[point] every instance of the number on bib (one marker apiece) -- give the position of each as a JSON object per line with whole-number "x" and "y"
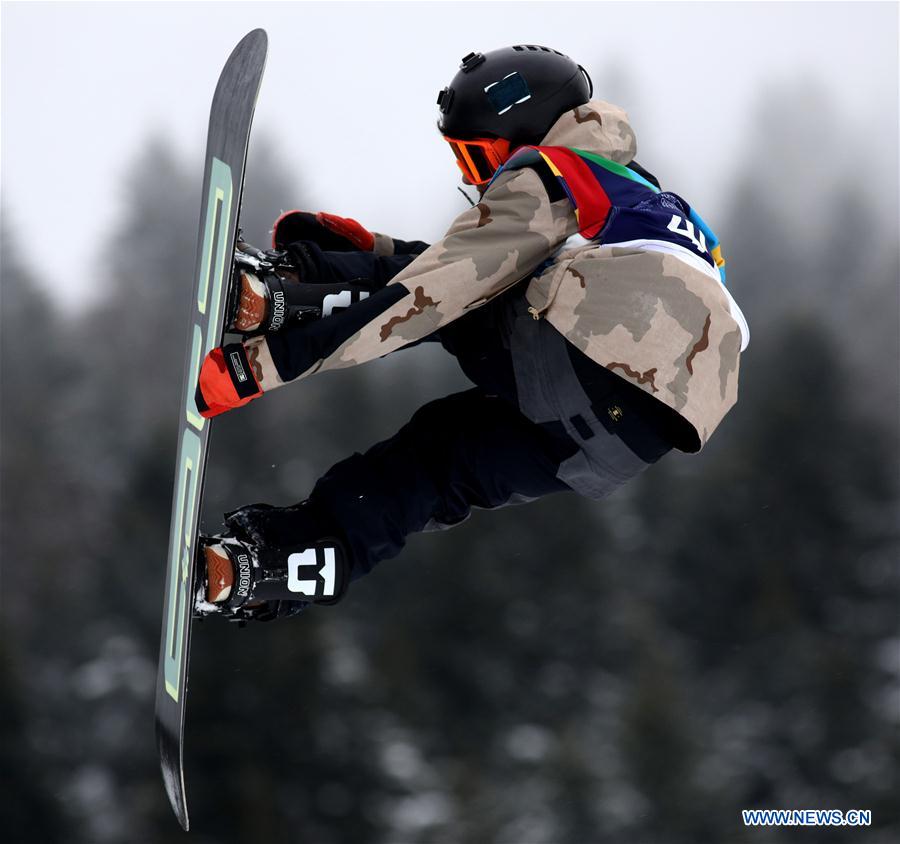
{"x": 688, "y": 231}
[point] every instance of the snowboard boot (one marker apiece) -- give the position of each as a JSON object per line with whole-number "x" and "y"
{"x": 244, "y": 580}
{"x": 268, "y": 293}
{"x": 256, "y": 303}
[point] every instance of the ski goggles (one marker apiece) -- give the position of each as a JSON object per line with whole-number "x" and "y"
{"x": 480, "y": 158}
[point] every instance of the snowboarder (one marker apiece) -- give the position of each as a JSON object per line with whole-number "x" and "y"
{"x": 586, "y": 305}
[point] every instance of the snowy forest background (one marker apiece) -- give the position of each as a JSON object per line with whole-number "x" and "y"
{"x": 721, "y": 635}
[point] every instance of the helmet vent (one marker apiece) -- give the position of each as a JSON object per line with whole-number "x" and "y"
{"x": 534, "y": 48}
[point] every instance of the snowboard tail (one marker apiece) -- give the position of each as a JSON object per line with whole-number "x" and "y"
{"x": 230, "y": 119}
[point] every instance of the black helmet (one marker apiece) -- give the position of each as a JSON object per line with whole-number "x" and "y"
{"x": 516, "y": 93}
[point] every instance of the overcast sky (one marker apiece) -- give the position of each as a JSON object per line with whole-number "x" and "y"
{"x": 349, "y": 85}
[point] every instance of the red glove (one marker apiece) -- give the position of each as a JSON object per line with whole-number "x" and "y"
{"x": 330, "y": 232}
{"x": 226, "y": 381}
{"x": 348, "y": 228}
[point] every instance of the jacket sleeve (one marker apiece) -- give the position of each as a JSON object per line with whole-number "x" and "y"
{"x": 502, "y": 240}
{"x": 387, "y": 245}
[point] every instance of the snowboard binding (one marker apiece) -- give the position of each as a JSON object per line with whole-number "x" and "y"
{"x": 271, "y": 290}
{"x": 243, "y": 581}
{"x": 264, "y": 292}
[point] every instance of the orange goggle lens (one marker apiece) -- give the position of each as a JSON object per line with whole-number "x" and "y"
{"x": 479, "y": 159}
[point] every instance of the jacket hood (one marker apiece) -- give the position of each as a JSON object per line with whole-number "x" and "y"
{"x": 598, "y": 127}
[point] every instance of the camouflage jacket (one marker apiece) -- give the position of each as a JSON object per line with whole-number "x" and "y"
{"x": 652, "y": 317}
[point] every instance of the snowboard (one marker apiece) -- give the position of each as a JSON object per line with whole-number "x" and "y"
{"x": 226, "y": 155}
